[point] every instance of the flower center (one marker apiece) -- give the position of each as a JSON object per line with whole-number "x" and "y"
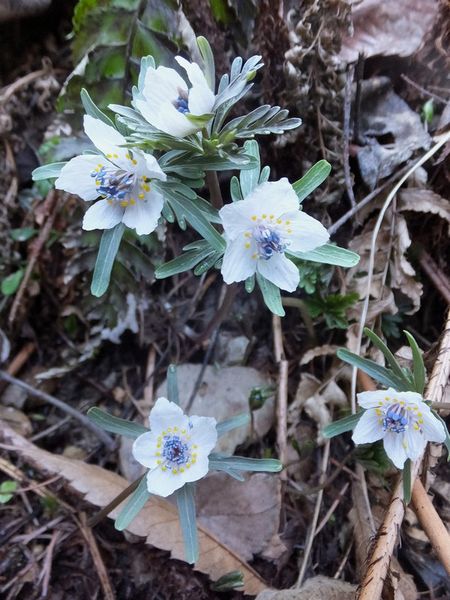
{"x": 268, "y": 241}
{"x": 181, "y": 104}
{"x": 396, "y": 419}
{"x": 175, "y": 452}
{"x": 113, "y": 183}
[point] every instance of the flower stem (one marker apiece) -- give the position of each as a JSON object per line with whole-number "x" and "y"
{"x": 215, "y": 194}
{"x": 104, "y": 512}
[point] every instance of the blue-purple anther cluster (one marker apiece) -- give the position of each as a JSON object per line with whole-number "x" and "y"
{"x": 175, "y": 451}
{"x": 396, "y": 419}
{"x": 268, "y": 241}
{"x": 181, "y": 104}
{"x": 114, "y": 184}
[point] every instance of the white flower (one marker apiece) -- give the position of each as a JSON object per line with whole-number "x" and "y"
{"x": 261, "y": 228}
{"x": 119, "y": 176}
{"x": 167, "y": 103}
{"x": 401, "y": 419}
{"x": 176, "y": 449}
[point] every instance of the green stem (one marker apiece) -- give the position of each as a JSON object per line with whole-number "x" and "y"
{"x": 215, "y": 195}
{"x": 104, "y": 512}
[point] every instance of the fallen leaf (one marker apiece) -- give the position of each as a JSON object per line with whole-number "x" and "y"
{"x": 388, "y": 28}
{"x": 16, "y": 419}
{"x": 222, "y": 394}
{"x": 157, "y": 522}
{"x": 316, "y": 588}
{"x": 247, "y": 517}
{"x": 390, "y": 130}
{"x": 425, "y": 201}
{"x": 325, "y": 350}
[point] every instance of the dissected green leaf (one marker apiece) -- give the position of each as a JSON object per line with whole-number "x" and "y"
{"x": 332, "y": 307}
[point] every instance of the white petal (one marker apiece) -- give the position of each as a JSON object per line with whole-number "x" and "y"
{"x": 103, "y": 136}
{"x": 195, "y": 74}
{"x": 197, "y": 470}
{"x": 281, "y": 271}
{"x": 144, "y": 449}
{"x": 274, "y": 197}
{"x": 75, "y": 176}
{"x": 167, "y": 414}
{"x": 236, "y": 219}
{"x": 415, "y": 443}
{"x": 164, "y": 483}
{"x": 204, "y": 433}
{"x": 307, "y": 233}
{"x": 153, "y": 170}
{"x": 433, "y": 429}
{"x": 368, "y": 429}
{"x": 163, "y": 85}
{"x": 394, "y": 448}
{"x": 144, "y": 215}
{"x": 412, "y": 398}
{"x": 102, "y": 215}
{"x": 201, "y": 100}
{"x": 238, "y": 263}
{"x": 167, "y": 118}
{"x": 376, "y": 398}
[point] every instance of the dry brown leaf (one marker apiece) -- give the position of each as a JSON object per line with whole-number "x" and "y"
{"x": 325, "y": 350}
{"x": 388, "y": 28}
{"x": 316, "y": 588}
{"x": 247, "y": 517}
{"x": 157, "y": 522}
{"x": 425, "y": 201}
{"x": 16, "y": 419}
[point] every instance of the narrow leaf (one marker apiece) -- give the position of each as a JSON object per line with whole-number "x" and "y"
{"x": 250, "y": 177}
{"x": 235, "y": 189}
{"x": 134, "y": 505}
{"x": 376, "y": 371}
{"x": 186, "y": 512}
{"x": 418, "y": 365}
{"x": 446, "y": 442}
{"x": 407, "y": 482}
{"x": 220, "y": 462}
{"x": 271, "y": 295}
{"x": 232, "y": 423}
{"x": 342, "y": 425}
{"x": 312, "y": 179}
{"x": 109, "y": 246}
{"x": 182, "y": 263}
{"x": 92, "y": 109}
{"x": 50, "y": 171}
{"x": 10, "y": 284}
{"x": 208, "y": 60}
{"x": 230, "y": 581}
{"x": 115, "y": 424}
{"x": 250, "y": 284}
{"x": 330, "y": 255}
{"x": 378, "y": 342}
{"x": 172, "y": 385}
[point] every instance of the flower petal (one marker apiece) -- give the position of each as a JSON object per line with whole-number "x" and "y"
{"x": 414, "y": 443}
{"x": 238, "y": 263}
{"x": 166, "y": 117}
{"x": 236, "y": 218}
{"x": 152, "y": 168}
{"x": 433, "y": 429}
{"x": 394, "y": 448}
{"x": 368, "y": 429}
{"x": 195, "y": 74}
{"x": 144, "y": 450}
{"x": 103, "y": 136}
{"x": 204, "y": 433}
{"x": 197, "y": 470}
{"x": 144, "y": 215}
{"x": 167, "y": 414}
{"x": 307, "y": 233}
{"x": 277, "y": 197}
{"x": 163, "y": 85}
{"x": 376, "y": 398}
{"x": 281, "y": 271}
{"x": 102, "y": 215}
{"x": 75, "y": 176}
{"x": 164, "y": 483}
{"x": 201, "y": 100}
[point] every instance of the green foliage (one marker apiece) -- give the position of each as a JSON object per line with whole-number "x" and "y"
{"x": 115, "y": 424}
{"x": 107, "y": 251}
{"x": 332, "y": 307}
{"x": 271, "y": 295}
{"x": 109, "y": 37}
{"x": 10, "y": 284}
{"x": 230, "y": 581}
{"x": 133, "y": 506}
{"x": 23, "y": 234}
{"x": 342, "y": 425}
{"x": 185, "y": 498}
{"x": 7, "y": 489}
{"x": 331, "y": 255}
{"x": 313, "y": 276}
{"x": 373, "y": 457}
{"x": 312, "y": 179}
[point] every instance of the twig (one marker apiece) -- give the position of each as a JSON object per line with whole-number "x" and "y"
{"x": 97, "y": 558}
{"x": 346, "y": 135}
{"x": 422, "y": 90}
{"x": 438, "y": 278}
{"x": 380, "y": 555}
{"x": 205, "y": 362}
{"x": 149, "y": 370}
{"x": 332, "y": 508}
{"x": 11, "y": 166}
{"x": 18, "y": 361}
{"x": 48, "y": 561}
{"x": 442, "y": 140}
{"x": 309, "y": 543}
{"x": 365, "y": 201}
{"x": 282, "y": 394}
{"x": 221, "y": 314}
{"x": 344, "y": 560}
{"x": 215, "y": 195}
{"x": 104, "y": 512}
{"x": 104, "y": 437}
{"x": 11, "y": 89}
{"x": 36, "y": 247}
{"x": 432, "y": 524}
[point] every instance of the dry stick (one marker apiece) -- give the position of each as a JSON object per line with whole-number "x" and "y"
{"x": 97, "y": 558}
{"x": 438, "y": 278}
{"x": 380, "y": 555}
{"x": 332, "y": 508}
{"x": 346, "y": 133}
{"x": 282, "y": 394}
{"x": 18, "y": 361}
{"x": 36, "y": 248}
{"x": 221, "y": 314}
{"x": 104, "y": 437}
{"x": 310, "y": 541}
{"x": 48, "y": 561}
{"x": 442, "y": 140}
